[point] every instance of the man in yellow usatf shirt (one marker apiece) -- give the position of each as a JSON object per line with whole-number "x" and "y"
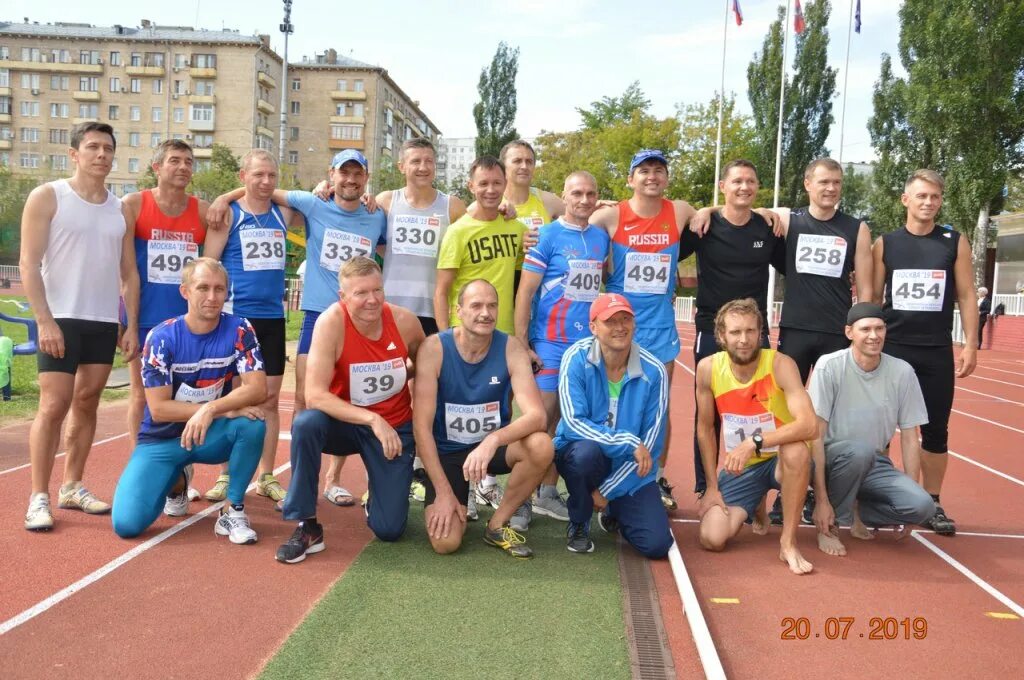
{"x": 482, "y": 244}
{"x": 766, "y": 419}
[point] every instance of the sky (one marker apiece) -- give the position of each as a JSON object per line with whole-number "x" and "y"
{"x": 572, "y": 52}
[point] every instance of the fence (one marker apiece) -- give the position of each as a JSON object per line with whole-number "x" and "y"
{"x": 10, "y": 272}
{"x": 1014, "y": 303}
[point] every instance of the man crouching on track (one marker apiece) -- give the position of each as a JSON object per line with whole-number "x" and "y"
{"x": 463, "y": 422}
{"x": 767, "y": 419}
{"x": 192, "y": 414}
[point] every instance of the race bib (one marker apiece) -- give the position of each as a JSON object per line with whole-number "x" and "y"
{"x": 531, "y": 221}
{"x": 376, "y": 381}
{"x": 165, "y": 260}
{"x": 736, "y": 428}
{"x": 918, "y": 290}
{"x": 584, "y": 281}
{"x": 821, "y": 255}
{"x": 199, "y": 395}
{"x": 416, "y": 235}
{"x": 262, "y": 249}
{"x": 340, "y": 247}
{"x": 470, "y": 423}
{"x": 648, "y": 273}
{"x": 613, "y": 411}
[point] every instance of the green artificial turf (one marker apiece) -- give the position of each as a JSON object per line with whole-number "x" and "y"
{"x": 400, "y": 611}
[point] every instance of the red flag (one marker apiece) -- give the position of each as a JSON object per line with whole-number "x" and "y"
{"x": 738, "y": 12}
{"x": 798, "y": 19}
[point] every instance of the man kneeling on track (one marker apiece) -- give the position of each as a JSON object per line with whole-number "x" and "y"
{"x": 767, "y": 420}
{"x": 192, "y": 414}
{"x": 861, "y": 396}
{"x": 462, "y": 419}
{"x": 614, "y": 401}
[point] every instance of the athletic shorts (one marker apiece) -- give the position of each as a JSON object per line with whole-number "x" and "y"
{"x": 452, "y": 464}
{"x": 746, "y": 489}
{"x": 936, "y": 374}
{"x": 806, "y": 347}
{"x": 85, "y": 342}
{"x": 661, "y": 342}
{"x": 428, "y": 324}
{"x": 551, "y": 354}
{"x": 306, "y": 332}
{"x": 270, "y": 334}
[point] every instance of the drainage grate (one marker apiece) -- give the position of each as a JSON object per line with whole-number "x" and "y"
{"x": 649, "y": 654}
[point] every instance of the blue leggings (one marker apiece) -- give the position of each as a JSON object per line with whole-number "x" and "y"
{"x": 155, "y": 467}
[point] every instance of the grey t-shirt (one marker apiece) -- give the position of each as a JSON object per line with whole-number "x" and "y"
{"x": 862, "y": 405}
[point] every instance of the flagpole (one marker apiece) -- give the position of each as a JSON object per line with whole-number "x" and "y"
{"x": 778, "y": 152}
{"x": 721, "y": 106}
{"x": 846, "y": 79}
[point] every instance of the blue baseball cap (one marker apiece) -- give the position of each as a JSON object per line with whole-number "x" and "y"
{"x": 347, "y": 155}
{"x": 644, "y": 155}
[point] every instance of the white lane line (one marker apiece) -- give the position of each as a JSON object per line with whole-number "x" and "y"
{"x": 974, "y": 578}
{"x": 991, "y": 396}
{"x": 986, "y": 468}
{"x": 64, "y": 453}
{"x": 709, "y": 659}
{"x": 1001, "y": 382}
{"x": 1002, "y": 370}
{"x": 119, "y": 561}
{"x": 986, "y": 420}
{"x": 973, "y": 534}
{"x": 688, "y": 369}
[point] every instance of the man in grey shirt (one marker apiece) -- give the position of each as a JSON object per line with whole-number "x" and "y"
{"x": 861, "y": 396}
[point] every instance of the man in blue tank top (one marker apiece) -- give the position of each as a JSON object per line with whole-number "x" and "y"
{"x": 462, "y": 419}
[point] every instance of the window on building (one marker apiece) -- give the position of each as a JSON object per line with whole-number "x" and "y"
{"x": 30, "y": 160}
{"x": 342, "y": 85}
{"x": 30, "y": 109}
{"x": 60, "y": 82}
{"x": 115, "y": 84}
{"x": 202, "y": 87}
{"x": 204, "y": 61}
{"x": 5, "y": 78}
{"x": 133, "y": 165}
{"x": 296, "y": 84}
{"x": 29, "y": 134}
{"x": 154, "y": 59}
{"x": 389, "y": 117}
{"x": 59, "y": 110}
{"x": 135, "y": 113}
{"x": 31, "y": 54}
{"x": 357, "y": 85}
{"x": 133, "y": 139}
{"x": 154, "y": 139}
{"x": 158, "y": 85}
{"x": 201, "y": 112}
{"x": 130, "y": 188}
{"x": 389, "y": 140}
{"x": 7, "y": 134}
{"x": 202, "y": 141}
{"x": 58, "y": 162}
{"x": 5, "y": 52}
{"x": 113, "y": 111}
{"x": 179, "y": 114}
{"x": 115, "y": 58}
{"x": 293, "y": 133}
{"x": 5, "y": 105}
{"x": 30, "y": 81}
{"x": 89, "y": 57}
{"x": 180, "y": 60}
{"x": 136, "y": 59}
{"x": 5, "y": 157}
{"x": 295, "y": 108}
{"x": 350, "y": 132}
{"x": 58, "y": 136}
{"x": 339, "y": 109}
{"x": 358, "y": 108}
{"x": 135, "y": 85}
{"x": 293, "y": 157}
{"x": 158, "y": 114}
{"x": 264, "y": 142}
{"x": 88, "y": 110}
{"x": 89, "y": 84}
{"x": 178, "y": 87}
{"x": 60, "y": 56}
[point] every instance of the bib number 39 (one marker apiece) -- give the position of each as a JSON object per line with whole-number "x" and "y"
{"x": 373, "y": 382}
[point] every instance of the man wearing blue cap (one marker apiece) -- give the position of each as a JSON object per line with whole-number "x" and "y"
{"x": 645, "y": 231}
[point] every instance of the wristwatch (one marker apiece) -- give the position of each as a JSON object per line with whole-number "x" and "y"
{"x": 758, "y": 443}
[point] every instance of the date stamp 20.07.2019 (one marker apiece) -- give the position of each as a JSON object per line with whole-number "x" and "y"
{"x": 850, "y": 628}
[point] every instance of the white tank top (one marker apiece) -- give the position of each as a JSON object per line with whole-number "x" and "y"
{"x": 82, "y": 264}
{"x": 410, "y": 257}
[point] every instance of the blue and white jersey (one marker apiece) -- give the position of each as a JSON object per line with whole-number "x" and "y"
{"x": 197, "y": 368}
{"x": 254, "y": 256}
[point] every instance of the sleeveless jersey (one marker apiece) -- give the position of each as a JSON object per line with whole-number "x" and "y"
{"x": 410, "y": 258}
{"x": 254, "y": 257}
{"x": 749, "y": 408}
{"x": 81, "y": 267}
{"x": 473, "y": 400}
{"x": 163, "y": 245}
{"x": 819, "y": 259}
{"x": 645, "y": 251}
{"x": 571, "y": 261}
{"x": 197, "y": 368}
{"x": 919, "y": 286}
{"x": 372, "y": 373}
{"x": 532, "y": 213}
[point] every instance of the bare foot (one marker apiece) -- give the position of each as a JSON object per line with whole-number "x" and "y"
{"x": 858, "y": 530}
{"x": 830, "y": 544}
{"x": 759, "y": 524}
{"x": 797, "y": 564}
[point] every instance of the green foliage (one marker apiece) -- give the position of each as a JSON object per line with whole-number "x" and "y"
{"x": 495, "y": 113}
{"x": 610, "y": 110}
{"x": 148, "y": 179}
{"x": 219, "y": 178}
{"x": 14, "y": 191}
{"x": 387, "y": 177}
{"x": 458, "y": 186}
{"x": 856, "y": 194}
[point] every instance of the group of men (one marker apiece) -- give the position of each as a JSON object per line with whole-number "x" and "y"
{"x": 574, "y": 321}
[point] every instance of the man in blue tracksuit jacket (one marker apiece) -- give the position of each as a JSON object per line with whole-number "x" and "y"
{"x": 614, "y": 401}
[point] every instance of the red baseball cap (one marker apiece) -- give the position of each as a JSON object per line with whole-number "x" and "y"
{"x": 608, "y": 304}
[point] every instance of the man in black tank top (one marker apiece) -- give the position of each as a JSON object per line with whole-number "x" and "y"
{"x": 918, "y": 271}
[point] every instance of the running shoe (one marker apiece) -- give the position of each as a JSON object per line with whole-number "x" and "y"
{"x": 306, "y": 540}
{"x": 807, "y": 516}
{"x": 267, "y": 485}
{"x": 417, "y": 492}
{"x": 775, "y": 516}
{"x": 38, "y": 517}
{"x": 666, "y": 494}
{"x": 552, "y": 506}
{"x": 79, "y": 498}
{"x": 489, "y": 495}
{"x": 579, "y": 538}
{"x": 235, "y": 525}
{"x": 940, "y": 524}
{"x": 219, "y": 491}
{"x": 608, "y": 524}
{"x": 176, "y": 504}
{"x": 509, "y": 540}
{"x": 472, "y": 514}
{"x": 520, "y": 520}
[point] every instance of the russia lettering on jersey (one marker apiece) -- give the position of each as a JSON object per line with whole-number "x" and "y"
{"x": 197, "y": 368}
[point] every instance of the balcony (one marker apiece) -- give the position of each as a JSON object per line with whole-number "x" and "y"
{"x": 265, "y": 106}
{"x": 345, "y": 144}
{"x": 201, "y": 125}
{"x": 203, "y": 72}
{"x": 266, "y": 80}
{"x": 266, "y": 132}
{"x": 54, "y": 67}
{"x": 359, "y": 120}
{"x": 5, "y": 118}
{"x": 202, "y": 99}
{"x": 83, "y": 96}
{"x": 6, "y": 144}
{"x": 202, "y": 153}
{"x": 347, "y": 95}
{"x": 6, "y": 92}
{"x": 145, "y": 71}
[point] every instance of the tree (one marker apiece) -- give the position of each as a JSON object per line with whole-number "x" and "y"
{"x": 14, "y": 191}
{"x": 220, "y": 177}
{"x": 807, "y": 117}
{"x": 148, "y": 179}
{"x": 856, "y": 194}
{"x": 387, "y": 177}
{"x": 959, "y": 111}
{"x": 495, "y": 113}
{"x": 609, "y": 110}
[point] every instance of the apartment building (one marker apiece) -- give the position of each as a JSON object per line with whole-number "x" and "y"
{"x": 158, "y": 82}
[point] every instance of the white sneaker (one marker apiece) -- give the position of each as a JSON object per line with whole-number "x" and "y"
{"x": 235, "y": 525}
{"x": 471, "y": 512}
{"x": 176, "y": 505}
{"x": 38, "y": 517}
{"x": 79, "y": 498}
{"x": 489, "y": 494}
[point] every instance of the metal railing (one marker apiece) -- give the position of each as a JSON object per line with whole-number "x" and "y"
{"x": 1014, "y": 303}
{"x": 10, "y": 272}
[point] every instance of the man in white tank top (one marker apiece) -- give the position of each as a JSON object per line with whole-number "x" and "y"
{"x": 76, "y": 255}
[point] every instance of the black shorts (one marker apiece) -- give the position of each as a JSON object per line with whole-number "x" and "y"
{"x": 428, "y": 324}
{"x": 936, "y": 374}
{"x": 270, "y": 334}
{"x": 85, "y": 342}
{"x": 452, "y": 464}
{"x": 806, "y": 347}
